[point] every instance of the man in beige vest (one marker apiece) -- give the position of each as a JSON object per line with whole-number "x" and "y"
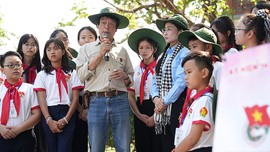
{"x": 106, "y": 69}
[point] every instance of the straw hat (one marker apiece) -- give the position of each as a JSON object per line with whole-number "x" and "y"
{"x": 205, "y": 35}
{"x": 135, "y": 36}
{"x": 122, "y": 20}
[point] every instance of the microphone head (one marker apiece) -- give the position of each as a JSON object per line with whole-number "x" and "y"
{"x": 105, "y": 34}
{"x": 106, "y": 56}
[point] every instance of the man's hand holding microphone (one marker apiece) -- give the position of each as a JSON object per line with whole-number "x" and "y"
{"x": 105, "y": 45}
{"x": 105, "y": 48}
{"x": 104, "y": 51}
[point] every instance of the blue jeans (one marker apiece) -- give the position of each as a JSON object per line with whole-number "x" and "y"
{"x": 112, "y": 111}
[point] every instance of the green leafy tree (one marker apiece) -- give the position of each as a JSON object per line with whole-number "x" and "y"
{"x": 80, "y": 12}
{"x": 147, "y": 11}
{"x": 150, "y": 10}
{"x": 3, "y": 32}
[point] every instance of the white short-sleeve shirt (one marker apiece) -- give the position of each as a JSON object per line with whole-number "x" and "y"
{"x": 28, "y": 100}
{"x": 137, "y": 82}
{"x": 231, "y": 51}
{"x": 47, "y": 82}
{"x": 216, "y": 74}
{"x": 200, "y": 112}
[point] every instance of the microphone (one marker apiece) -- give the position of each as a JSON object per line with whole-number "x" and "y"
{"x": 106, "y": 56}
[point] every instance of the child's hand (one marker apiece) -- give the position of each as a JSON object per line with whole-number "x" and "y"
{"x": 150, "y": 121}
{"x": 6, "y": 133}
{"x": 54, "y": 126}
{"x": 173, "y": 150}
{"x": 15, "y": 129}
{"x": 143, "y": 117}
{"x": 61, "y": 123}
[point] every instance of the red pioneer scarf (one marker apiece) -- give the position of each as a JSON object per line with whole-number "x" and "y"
{"x": 12, "y": 93}
{"x": 31, "y": 73}
{"x": 61, "y": 77}
{"x": 189, "y": 101}
{"x": 147, "y": 68}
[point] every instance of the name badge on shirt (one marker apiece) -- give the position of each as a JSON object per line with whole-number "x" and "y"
{"x": 177, "y": 137}
{"x": 12, "y": 110}
{"x": 146, "y": 94}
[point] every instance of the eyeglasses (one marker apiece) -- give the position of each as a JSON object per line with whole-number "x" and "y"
{"x": 239, "y": 29}
{"x": 13, "y": 66}
{"x": 166, "y": 29}
{"x": 110, "y": 24}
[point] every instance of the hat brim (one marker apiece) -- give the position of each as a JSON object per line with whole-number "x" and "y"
{"x": 123, "y": 21}
{"x": 185, "y": 36}
{"x": 146, "y": 33}
{"x": 161, "y": 23}
{"x": 217, "y": 50}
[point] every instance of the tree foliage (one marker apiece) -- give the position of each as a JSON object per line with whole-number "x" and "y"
{"x": 80, "y": 11}
{"x": 5, "y": 35}
{"x": 150, "y": 10}
{"x": 3, "y": 32}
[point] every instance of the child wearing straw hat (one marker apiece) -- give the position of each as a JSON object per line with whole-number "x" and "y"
{"x": 204, "y": 40}
{"x": 148, "y": 44}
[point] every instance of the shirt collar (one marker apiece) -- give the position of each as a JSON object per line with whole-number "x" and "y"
{"x": 171, "y": 49}
{"x": 98, "y": 42}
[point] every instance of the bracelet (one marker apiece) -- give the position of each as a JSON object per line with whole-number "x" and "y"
{"x": 48, "y": 119}
{"x": 65, "y": 120}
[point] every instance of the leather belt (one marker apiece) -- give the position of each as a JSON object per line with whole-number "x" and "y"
{"x": 107, "y": 94}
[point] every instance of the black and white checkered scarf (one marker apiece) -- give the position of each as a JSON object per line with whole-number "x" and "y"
{"x": 164, "y": 83}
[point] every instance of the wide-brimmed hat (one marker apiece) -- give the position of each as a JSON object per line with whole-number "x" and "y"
{"x": 177, "y": 19}
{"x": 110, "y": 12}
{"x": 205, "y": 35}
{"x": 135, "y": 36}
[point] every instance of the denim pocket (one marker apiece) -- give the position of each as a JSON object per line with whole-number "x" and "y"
{"x": 92, "y": 99}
